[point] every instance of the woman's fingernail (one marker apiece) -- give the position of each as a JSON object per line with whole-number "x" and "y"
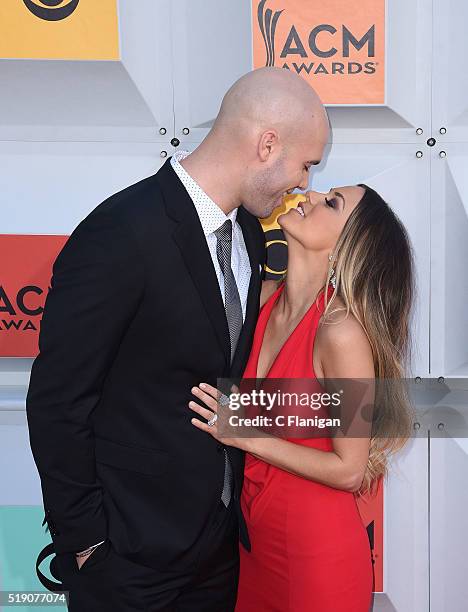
{"x": 203, "y": 385}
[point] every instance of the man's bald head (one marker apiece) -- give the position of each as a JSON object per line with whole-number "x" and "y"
{"x": 271, "y": 98}
{"x": 271, "y": 128}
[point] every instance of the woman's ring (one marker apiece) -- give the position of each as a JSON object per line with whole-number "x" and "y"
{"x": 213, "y": 420}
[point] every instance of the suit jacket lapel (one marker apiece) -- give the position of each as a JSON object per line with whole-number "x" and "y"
{"x": 191, "y": 241}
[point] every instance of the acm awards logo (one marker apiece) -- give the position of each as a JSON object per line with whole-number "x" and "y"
{"x": 25, "y": 281}
{"x": 309, "y": 48}
{"x": 24, "y": 305}
{"x": 49, "y": 10}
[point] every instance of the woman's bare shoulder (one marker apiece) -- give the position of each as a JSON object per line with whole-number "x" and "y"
{"x": 342, "y": 346}
{"x": 339, "y": 327}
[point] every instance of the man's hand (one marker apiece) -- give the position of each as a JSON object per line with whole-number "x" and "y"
{"x": 81, "y": 560}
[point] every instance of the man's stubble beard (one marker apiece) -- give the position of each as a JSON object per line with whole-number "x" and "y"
{"x": 267, "y": 202}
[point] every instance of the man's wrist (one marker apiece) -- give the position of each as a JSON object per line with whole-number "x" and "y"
{"x": 87, "y": 551}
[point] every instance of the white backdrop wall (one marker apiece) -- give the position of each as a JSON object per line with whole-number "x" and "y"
{"x": 96, "y": 127}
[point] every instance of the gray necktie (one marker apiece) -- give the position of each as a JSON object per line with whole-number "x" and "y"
{"x": 232, "y": 303}
{"x": 233, "y": 308}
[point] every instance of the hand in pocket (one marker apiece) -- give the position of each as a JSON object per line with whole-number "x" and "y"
{"x": 94, "y": 556}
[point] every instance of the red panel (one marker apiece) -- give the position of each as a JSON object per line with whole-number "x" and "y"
{"x": 26, "y": 270}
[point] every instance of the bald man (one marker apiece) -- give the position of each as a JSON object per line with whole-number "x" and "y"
{"x": 157, "y": 290}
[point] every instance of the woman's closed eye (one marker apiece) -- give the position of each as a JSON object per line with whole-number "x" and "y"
{"x": 331, "y": 203}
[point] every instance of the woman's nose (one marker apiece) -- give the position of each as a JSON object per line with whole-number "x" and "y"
{"x": 313, "y": 196}
{"x": 316, "y": 197}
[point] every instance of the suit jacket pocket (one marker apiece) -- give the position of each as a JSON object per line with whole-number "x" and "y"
{"x": 134, "y": 458}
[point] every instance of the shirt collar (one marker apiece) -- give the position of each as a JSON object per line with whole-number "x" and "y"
{"x": 210, "y": 214}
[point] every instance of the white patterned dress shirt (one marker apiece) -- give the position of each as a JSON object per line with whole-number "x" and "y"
{"x": 212, "y": 218}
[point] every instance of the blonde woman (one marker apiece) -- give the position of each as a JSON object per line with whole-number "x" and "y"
{"x": 342, "y": 312}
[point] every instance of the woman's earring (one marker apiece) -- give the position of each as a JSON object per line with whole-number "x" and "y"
{"x": 332, "y": 273}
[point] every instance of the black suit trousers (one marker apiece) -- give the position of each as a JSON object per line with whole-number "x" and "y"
{"x": 109, "y": 582}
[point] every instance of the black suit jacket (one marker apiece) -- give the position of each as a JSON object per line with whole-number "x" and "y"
{"x": 133, "y": 320}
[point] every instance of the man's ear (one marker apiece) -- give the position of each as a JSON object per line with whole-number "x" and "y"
{"x": 267, "y": 144}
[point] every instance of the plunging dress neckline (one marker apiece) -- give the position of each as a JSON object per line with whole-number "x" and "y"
{"x": 262, "y": 323}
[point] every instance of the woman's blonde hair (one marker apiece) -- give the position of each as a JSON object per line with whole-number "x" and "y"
{"x": 374, "y": 279}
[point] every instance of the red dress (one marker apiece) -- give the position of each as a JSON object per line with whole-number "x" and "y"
{"x": 310, "y": 549}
